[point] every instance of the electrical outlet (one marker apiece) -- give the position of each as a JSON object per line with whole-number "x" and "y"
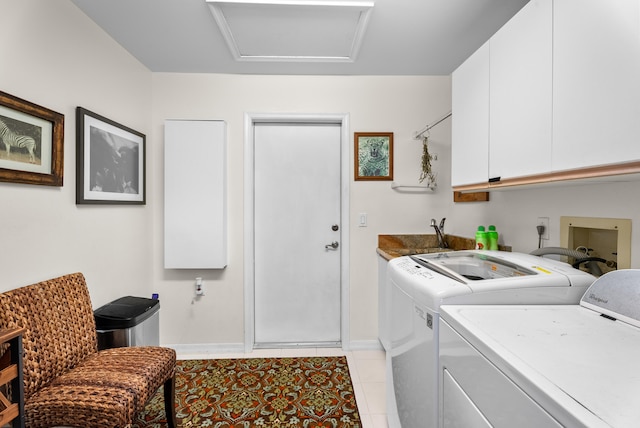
{"x": 544, "y": 221}
{"x": 199, "y": 287}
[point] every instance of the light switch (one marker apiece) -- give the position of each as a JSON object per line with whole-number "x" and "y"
{"x": 362, "y": 222}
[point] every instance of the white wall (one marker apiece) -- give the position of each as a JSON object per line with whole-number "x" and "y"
{"x": 401, "y": 105}
{"x": 65, "y": 60}
{"x": 515, "y": 212}
{"x": 53, "y": 56}
{"x": 398, "y": 104}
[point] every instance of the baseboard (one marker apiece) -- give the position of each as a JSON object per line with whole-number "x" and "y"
{"x": 207, "y": 348}
{"x": 238, "y": 348}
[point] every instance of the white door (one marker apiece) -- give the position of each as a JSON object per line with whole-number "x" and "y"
{"x": 297, "y": 234}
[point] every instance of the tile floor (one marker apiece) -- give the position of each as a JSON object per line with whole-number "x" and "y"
{"x": 367, "y": 369}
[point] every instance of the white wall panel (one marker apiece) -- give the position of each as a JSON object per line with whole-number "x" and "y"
{"x": 195, "y": 194}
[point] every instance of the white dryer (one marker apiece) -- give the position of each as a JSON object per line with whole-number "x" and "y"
{"x": 545, "y": 366}
{"x": 421, "y": 284}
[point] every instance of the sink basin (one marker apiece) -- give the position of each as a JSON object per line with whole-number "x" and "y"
{"x": 392, "y": 253}
{"x": 413, "y": 251}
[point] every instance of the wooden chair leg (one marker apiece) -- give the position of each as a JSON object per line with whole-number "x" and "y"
{"x": 170, "y": 402}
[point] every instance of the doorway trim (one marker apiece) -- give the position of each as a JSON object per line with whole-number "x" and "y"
{"x": 249, "y": 251}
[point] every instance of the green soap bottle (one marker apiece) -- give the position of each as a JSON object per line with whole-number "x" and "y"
{"x": 492, "y": 238}
{"x": 481, "y": 239}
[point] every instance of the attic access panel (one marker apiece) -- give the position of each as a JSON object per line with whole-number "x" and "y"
{"x": 292, "y": 30}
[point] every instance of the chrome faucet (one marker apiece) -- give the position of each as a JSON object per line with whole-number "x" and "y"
{"x": 442, "y": 243}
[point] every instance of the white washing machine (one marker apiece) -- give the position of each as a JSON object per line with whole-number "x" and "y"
{"x": 421, "y": 284}
{"x": 545, "y": 366}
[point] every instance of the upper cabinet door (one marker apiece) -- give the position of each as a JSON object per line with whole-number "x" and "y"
{"x": 596, "y": 81}
{"x": 521, "y": 93}
{"x": 470, "y": 120}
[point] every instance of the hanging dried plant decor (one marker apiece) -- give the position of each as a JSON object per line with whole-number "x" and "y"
{"x": 427, "y": 172}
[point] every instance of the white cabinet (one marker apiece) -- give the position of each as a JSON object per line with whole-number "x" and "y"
{"x": 470, "y": 120}
{"x": 195, "y": 194}
{"x": 563, "y": 96}
{"x": 596, "y": 82}
{"x": 502, "y": 102}
{"x": 520, "y": 93}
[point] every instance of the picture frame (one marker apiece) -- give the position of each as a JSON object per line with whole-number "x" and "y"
{"x": 110, "y": 161}
{"x": 373, "y": 156}
{"x": 31, "y": 143}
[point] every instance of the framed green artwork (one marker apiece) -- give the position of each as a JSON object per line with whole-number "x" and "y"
{"x": 373, "y": 155}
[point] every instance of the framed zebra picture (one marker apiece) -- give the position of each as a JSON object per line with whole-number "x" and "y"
{"x": 373, "y": 155}
{"x": 110, "y": 161}
{"x": 31, "y": 142}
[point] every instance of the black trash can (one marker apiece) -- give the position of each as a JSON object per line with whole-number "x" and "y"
{"x": 128, "y": 321}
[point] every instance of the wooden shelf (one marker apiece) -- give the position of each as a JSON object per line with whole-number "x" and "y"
{"x": 471, "y": 197}
{"x": 11, "y": 407}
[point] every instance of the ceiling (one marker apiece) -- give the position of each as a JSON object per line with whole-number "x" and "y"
{"x": 396, "y": 37}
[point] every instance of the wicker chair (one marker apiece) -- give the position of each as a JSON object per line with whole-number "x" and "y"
{"x": 67, "y": 381}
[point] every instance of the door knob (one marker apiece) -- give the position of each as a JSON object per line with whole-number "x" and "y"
{"x": 333, "y": 246}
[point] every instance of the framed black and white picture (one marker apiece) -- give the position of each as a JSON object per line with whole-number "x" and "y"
{"x": 31, "y": 142}
{"x": 110, "y": 161}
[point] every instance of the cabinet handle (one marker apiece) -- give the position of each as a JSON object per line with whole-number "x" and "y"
{"x": 494, "y": 179}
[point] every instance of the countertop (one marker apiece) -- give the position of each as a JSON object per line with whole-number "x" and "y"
{"x": 392, "y": 246}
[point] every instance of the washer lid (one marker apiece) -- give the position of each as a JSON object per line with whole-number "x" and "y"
{"x": 470, "y": 265}
{"x": 616, "y": 294}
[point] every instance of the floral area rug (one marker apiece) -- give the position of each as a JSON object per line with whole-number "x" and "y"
{"x": 259, "y": 392}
